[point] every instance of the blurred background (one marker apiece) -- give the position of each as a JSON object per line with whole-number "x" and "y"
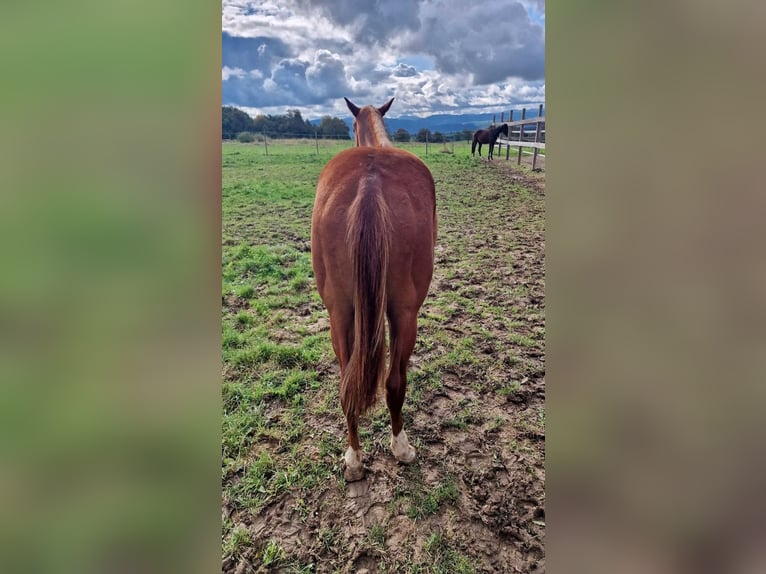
{"x": 110, "y": 287}
{"x": 655, "y": 286}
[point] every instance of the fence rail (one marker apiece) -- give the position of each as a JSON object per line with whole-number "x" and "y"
{"x": 535, "y": 140}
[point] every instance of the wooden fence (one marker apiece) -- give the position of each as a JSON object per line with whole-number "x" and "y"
{"x": 520, "y": 137}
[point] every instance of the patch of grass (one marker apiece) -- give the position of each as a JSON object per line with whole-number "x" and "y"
{"x": 330, "y": 445}
{"x": 245, "y": 318}
{"x": 302, "y": 508}
{"x": 237, "y": 541}
{"x": 521, "y": 340}
{"x": 238, "y": 429}
{"x": 286, "y": 356}
{"x": 463, "y": 418}
{"x": 246, "y": 291}
{"x": 273, "y": 554}
{"x": 231, "y": 338}
{"x": 510, "y": 389}
{"x": 329, "y": 538}
{"x": 376, "y": 536}
{"x": 427, "y": 502}
{"x": 444, "y": 559}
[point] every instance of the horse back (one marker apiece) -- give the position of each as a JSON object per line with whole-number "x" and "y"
{"x": 403, "y": 180}
{"x": 404, "y": 185}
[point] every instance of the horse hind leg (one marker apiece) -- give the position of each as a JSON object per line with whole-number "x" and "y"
{"x": 341, "y": 333}
{"x": 403, "y": 333}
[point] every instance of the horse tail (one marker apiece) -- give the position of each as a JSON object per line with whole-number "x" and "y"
{"x": 473, "y": 144}
{"x": 367, "y": 236}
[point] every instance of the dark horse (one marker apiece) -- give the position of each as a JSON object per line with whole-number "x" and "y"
{"x": 373, "y": 232}
{"x": 488, "y": 136}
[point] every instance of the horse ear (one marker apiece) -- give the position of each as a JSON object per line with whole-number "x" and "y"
{"x": 354, "y": 109}
{"x": 384, "y": 108}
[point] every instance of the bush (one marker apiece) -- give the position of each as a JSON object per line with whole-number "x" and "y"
{"x": 246, "y": 137}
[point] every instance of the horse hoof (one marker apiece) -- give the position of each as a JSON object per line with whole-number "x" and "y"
{"x": 408, "y": 457}
{"x": 353, "y": 474}
{"x": 403, "y": 451}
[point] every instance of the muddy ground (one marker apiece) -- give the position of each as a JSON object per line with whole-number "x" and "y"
{"x": 474, "y": 501}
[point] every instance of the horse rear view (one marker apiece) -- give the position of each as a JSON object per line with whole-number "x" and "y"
{"x": 373, "y": 231}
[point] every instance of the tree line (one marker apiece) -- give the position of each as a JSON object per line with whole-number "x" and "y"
{"x": 426, "y": 135}
{"x": 236, "y": 124}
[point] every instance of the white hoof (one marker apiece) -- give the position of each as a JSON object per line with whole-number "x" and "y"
{"x": 401, "y": 448}
{"x": 354, "y": 469}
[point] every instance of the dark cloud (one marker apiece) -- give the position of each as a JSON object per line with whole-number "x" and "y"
{"x": 404, "y": 71}
{"x": 258, "y": 53}
{"x": 373, "y": 21}
{"x": 493, "y": 42}
{"x": 326, "y": 76}
{"x": 292, "y": 81}
{"x": 290, "y": 75}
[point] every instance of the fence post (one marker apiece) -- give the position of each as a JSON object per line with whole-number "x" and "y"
{"x": 426, "y": 143}
{"x": 265, "y": 144}
{"x": 316, "y": 141}
{"x": 510, "y": 133}
{"x": 537, "y": 136}
{"x": 521, "y": 133}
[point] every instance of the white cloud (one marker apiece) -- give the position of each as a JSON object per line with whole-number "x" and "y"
{"x": 433, "y": 56}
{"x": 227, "y": 72}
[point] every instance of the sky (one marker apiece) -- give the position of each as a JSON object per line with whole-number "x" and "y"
{"x": 433, "y": 56}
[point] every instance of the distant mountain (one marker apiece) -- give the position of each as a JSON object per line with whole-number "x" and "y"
{"x": 445, "y": 123}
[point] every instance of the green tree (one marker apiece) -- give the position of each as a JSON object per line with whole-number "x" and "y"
{"x": 401, "y": 135}
{"x": 293, "y": 125}
{"x": 333, "y": 128}
{"x": 265, "y": 124}
{"x": 234, "y": 121}
{"x": 424, "y": 135}
{"x": 437, "y": 137}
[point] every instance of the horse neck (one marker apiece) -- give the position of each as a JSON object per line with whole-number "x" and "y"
{"x": 370, "y": 130}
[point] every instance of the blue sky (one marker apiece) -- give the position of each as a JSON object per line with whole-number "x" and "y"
{"x": 434, "y": 56}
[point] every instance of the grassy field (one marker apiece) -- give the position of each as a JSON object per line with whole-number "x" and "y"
{"x": 474, "y": 501}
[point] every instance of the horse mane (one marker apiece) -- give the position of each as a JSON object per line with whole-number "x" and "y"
{"x": 501, "y": 128}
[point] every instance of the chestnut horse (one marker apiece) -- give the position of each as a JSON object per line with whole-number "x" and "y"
{"x": 488, "y": 136}
{"x": 373, "y": 231}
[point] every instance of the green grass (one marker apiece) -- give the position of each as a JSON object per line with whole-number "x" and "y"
{"x": 281, "y": 423}
{"x": 237, "y": 541}
{"x": 419, "y": 500}
{"x": 273, "y": 554}
{"x": 444, "y": 559}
